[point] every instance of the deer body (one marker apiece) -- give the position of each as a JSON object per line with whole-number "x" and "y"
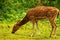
{"x": 42, "y": 12}
{"x": 39, "y": 13}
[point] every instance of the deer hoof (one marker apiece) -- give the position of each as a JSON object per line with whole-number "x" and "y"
{"x": 32, "y": 35}
{"x": 55, "y": 36}
{"x": 39, "y": 33}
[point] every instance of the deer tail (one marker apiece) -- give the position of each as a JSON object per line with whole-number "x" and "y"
{"x": 58, "y": 15}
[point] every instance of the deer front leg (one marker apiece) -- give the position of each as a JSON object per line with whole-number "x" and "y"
{"x": 33, "y": 22}
{"x": 32, "y": 34}
{"x": 37, "y": 27}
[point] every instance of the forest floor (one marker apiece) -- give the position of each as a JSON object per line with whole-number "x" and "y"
{"x": 25, "y": 31}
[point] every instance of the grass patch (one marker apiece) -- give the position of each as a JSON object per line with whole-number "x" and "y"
{"x": 24, "y": 32}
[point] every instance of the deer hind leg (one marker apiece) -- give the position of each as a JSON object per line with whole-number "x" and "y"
{"x": 37, "y": 27}
{"x": 53, "y": 28}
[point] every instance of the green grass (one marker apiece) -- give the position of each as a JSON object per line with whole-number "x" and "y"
{"x": 24, "y": 32}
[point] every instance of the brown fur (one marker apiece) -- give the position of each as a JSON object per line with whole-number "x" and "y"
{"x": 39, "y": 13}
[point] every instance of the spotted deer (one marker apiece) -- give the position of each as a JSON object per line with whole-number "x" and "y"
{"x": 39, "y": 13}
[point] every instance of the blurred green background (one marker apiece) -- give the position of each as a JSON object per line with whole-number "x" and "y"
{"x": 13, "y": 10}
